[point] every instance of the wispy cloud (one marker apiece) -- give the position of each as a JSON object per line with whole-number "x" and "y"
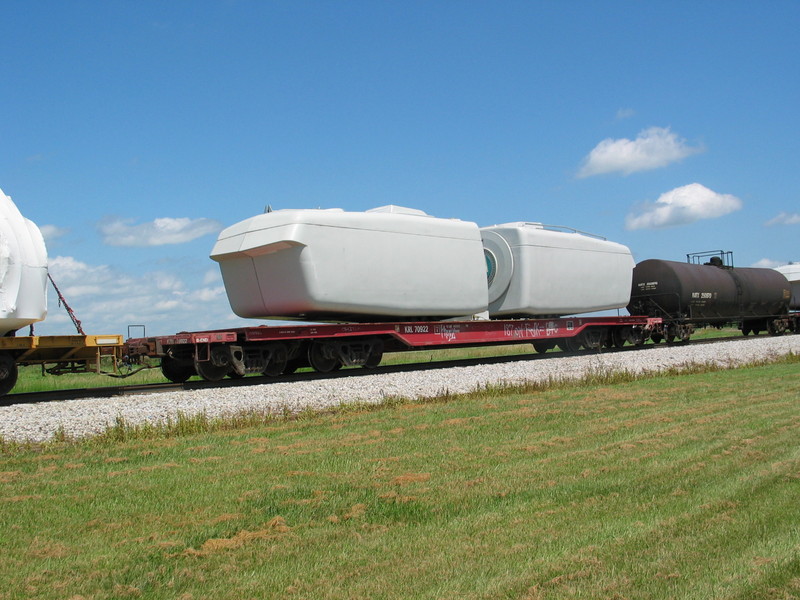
{"x": 654, "y": 148}
{"x": 212, "y": 276}
{"x": 785, "y": 218}
{"x": 682, "y": 206}
{"x": 52, "y": 232}
{"x": 122, "y": 232}
{"x": 74, "y": 271}
{"x": 625, "y": 113}
{"x": 768, "y": 263}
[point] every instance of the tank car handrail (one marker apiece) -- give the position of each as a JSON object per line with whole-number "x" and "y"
{"x": 696, "y": 258}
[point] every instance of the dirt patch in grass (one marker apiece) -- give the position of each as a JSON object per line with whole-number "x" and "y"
{"x": 169, "y": 465}
{"x": 275, "y": 528}
{"x": 40, "y": 548}
{"x": 21, "y": 498}
{"x": 460, "y": 421}
{"x": 408, "y": 478}
{"x": 317, "y": 497}
{"x": 8, "y": 476}
{"x": 196, "y": 460}
{"x": 225, "y": 517}
{"x": 356, "y": 511}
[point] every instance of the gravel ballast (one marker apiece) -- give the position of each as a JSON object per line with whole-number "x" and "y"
{"x": 91, "y": 416}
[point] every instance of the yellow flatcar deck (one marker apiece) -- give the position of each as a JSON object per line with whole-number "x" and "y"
{"x": 73, "y": 352}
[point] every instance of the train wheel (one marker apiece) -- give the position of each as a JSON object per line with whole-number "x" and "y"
{"x": 278, "y": 361}
{"x": 656, "y": 337}
{"x": 570, "y": 344}
{"x": 322, "y": 359}
{"x": 176, "y": 371}
{"x": 620, "y": 335}
{"x": 374, "y": 357}
{"x": 209, "y": 371}
{"x": 542, "y": 346}
{"x": 775, "y": 327}
{"x": 637, "y": 336}
{"x": 276, "y": 368}
{"x": 293, "y": 364}
{"x": 8, "y": 373}
{"x": 592, "y": 339}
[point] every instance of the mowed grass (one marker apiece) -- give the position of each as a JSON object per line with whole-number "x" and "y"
{"x": 682, "y": 486}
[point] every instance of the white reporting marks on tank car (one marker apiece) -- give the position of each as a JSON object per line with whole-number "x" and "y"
{"x": 703, "y": 295}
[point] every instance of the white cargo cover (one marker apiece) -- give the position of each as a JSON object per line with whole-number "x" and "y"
{"x": 539, "y": 271}
{"x": 792, "y": 273}
{"x": 389, "y": 262}
{"x": 23, "y": 269}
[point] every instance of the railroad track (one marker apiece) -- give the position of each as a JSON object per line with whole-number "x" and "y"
{"x": 155, "y": 388}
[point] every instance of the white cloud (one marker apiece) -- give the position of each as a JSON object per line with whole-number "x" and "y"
{"x": 81, "y": 291}
{"x": 682, "y": 206}
{"x": 166, "y": 230}
{"x": 79, "y": 278}
{"x": 654, "y": 148}
{"x": 210, "y": 294}
{"x": 167, "y": 304}
{"x": 768, "y": 263}
{"x": 212, "y": 276}
{"x": 785, "y": 218}
{"x": 167, "y": 282}
{"x": 625, "y": 113}
{"x": 51, "y": 232}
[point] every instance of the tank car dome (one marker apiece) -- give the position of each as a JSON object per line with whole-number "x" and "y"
{"x": 23, "y": 269}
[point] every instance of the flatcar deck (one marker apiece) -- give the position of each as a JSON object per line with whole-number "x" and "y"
{"x": 410, "y": 333}
{"x": 57, "y": 354}
{"x": 79, "y": 349}
{"x": 276, "y": 350}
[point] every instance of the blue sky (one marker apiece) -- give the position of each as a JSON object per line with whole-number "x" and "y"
{"x": 133, "y": 131}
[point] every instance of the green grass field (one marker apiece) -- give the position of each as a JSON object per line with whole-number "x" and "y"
{"x": 681, "y": 486}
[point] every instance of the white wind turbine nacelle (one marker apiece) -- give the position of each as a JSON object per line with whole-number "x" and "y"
{"x": 23, "y": 269}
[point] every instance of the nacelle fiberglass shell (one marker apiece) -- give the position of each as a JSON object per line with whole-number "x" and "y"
{"x": 539, "y": 271}
{"x": 385, "y": 263}
{"x": 23, "y": 269}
